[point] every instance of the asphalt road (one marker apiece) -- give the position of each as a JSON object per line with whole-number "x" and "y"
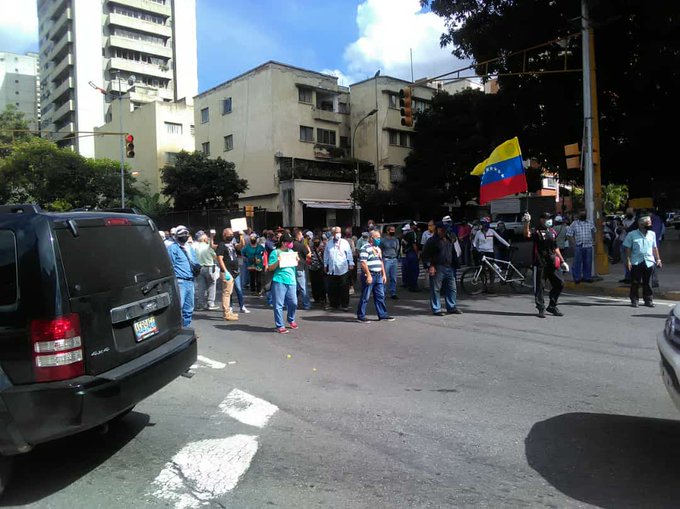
{"x": 494, "y": 408}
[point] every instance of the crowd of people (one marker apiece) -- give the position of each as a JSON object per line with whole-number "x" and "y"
{"x": 293, "y": 268}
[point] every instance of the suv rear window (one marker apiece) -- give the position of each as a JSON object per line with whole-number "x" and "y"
{"x": 105, "y": 258}
{"x": 8, "y": 268}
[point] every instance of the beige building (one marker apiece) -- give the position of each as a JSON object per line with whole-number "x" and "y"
{"x": 160, "y": 129}
{"x": 380, "y": 138}
{"x": 115, "y": 46}
{"x": 288, "y": 132}
{"x": 20, "y": 86}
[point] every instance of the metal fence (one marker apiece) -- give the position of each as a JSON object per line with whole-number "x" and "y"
{"x": 217, "y": 219}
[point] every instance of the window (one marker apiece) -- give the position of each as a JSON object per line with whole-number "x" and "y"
{"x": 9, "y": 287}
{"x": 170, "y": 158}
{"x": 205, "y": 148}
{"x": 344, "y": 141}
{"x": 418, "y": 105}
{"x": 404, "y": 140}
{"x": 343, "y": 108}
{"x": 325, "y": 136}
{"x": 394, "y": 138}
{"x": 172, "y": 128}
{"x": 16, "y": 81}
{"x": 394, "y": 101}
{"x": 226, "y": 105}
{"x": 192, "y": 130}
{"x": 305, "y": 95}
{"x": 205, "y": 115}
{"x": 228, "y": 142}
{"x": 306, "y": 133}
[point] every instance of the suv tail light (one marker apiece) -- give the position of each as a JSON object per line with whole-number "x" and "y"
{"x": 57, "y": 348}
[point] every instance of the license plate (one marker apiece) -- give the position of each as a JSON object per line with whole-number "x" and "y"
{"x": 144, "y": 328}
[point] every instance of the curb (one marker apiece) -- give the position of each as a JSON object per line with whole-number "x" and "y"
{"x": 616, "y": 291}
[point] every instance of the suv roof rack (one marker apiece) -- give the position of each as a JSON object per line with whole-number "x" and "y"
{"x": 31, "y": 209}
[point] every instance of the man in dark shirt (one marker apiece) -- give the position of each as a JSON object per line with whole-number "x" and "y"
{"x": 390, "y": 251}
{"x": 441, "y": 260}
{"x": 547, "y": 262}
{"x": 304, "y": 253}
{"x": 409, "y": 265}
{"x": 228, "y": 259}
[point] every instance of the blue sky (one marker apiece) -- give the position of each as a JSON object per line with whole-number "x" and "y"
{"x": 348, "y": 38}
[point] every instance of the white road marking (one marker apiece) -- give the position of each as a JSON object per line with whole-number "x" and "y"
{"x": 204, "y": 470}
{"x": 626, "y": 300}
{"x": 204, "y": 361}
{"x": 248, "y": 409}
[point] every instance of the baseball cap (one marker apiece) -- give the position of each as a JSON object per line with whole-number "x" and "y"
{"x": 181, "y": 230}
{"x": 406, "y": 228}
{"x": 253, "y": 235}
{"x": 310, "y": 234}
{"x": 559, "y": 219}
{"x": 446, "y": 219}
{"x": 173, "y": 230}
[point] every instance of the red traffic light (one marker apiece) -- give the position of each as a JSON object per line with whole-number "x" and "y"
{"x": 129, "y": 138}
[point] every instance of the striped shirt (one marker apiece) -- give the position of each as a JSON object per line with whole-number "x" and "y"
{"x": 582, "y": 232}
{"x": 372, "y": 256}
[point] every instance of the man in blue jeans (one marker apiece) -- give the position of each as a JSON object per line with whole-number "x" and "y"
{"x": 390, "y": 251}
{"x": 409, "y": 264}
{"x": 182, "y": 257}
{"x": 304, "y": 254}
{"x": 441, "y": 260}
{"x": 580, "y": 234}
{"x": 373, "y": 279}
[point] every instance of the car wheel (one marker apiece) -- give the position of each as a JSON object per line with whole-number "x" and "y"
{"x": 6, "y": 464}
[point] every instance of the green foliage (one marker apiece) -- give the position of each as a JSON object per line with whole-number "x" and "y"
{"x": 614, "y": 197}
{"x": 195, "y": 182}
{"x": 151, "y": 204}
{"x": 38, "y": 171}
{"x": 10, "y": 120}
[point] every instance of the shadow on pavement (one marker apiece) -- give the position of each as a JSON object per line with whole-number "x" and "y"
{"x": 596, "y": 304}
{"x": 495, "y": 313}
{"x": 610, "y": 461}
{"x": 246, "y": 328}
{"x": 658, "y": 315}
{"x": 56, "y": 465}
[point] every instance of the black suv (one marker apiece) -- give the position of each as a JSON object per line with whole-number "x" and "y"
{"x": 89, "y": 322}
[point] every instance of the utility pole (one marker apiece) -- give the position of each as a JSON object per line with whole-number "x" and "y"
{"x": 591, "y": 142}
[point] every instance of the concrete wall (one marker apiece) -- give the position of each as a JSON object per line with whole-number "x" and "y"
{"x": 296, "y": 190}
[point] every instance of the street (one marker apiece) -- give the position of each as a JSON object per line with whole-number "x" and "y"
{"x": 494, "y": 408}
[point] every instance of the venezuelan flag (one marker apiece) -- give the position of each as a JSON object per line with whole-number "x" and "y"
{"x": 502, "y": 173}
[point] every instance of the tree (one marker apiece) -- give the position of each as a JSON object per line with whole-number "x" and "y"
{"x": 614, "y": 197}
{"x": 151, "y": 204}
{"x": 195, "y": 182}
{"x": 11, "y": 120}
{"x": 638, "y": 72}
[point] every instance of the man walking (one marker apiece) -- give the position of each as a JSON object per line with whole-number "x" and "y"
{"x": 441, "y": 260}
{"x": 227, "y": 257}
{"x": 547, "y": 262}
{"x": 409, "y": 265}
{"x": 390, "y": 251}
{"x": 338, "y": 260}
{"x": 183, "y": 260}
{"x": 580, "y": 233}
{"x": 304, "y": 253}
{"x": 206, "y": 282}
{"x": 231, "y": 248}
{"x": 373, "y": 279}
{"x": 642, "y": 255}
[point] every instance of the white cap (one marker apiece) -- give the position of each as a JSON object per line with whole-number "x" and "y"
{"x": 559, "y": 219}
{"x": 173, "y": 231}
{"x": 446, "y": 219}
{"x": 406, "y": 228}
{"x": 310, "y": 234}
{"x": 180, "y": 229}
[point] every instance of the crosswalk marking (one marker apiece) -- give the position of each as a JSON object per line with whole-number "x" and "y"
{"x": 247, "y": 409}
{"x": 209, "y": 363}
{"x": 204, "y": 470}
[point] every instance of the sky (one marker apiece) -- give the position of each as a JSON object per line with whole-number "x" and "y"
{"x": 351, "y": 39}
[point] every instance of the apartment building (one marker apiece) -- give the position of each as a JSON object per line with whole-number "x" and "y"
{"x": 380, "y": 138}
{"x": 288, "y": 132}
{"x": 20, "y": 85}
{"x": 160, "y": 129}
{"x": 92, "y": 51}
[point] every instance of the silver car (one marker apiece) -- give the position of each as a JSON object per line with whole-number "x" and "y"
{"x": 669, "y": 348}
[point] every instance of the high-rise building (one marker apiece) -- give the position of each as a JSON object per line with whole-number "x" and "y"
{"x": 19, "y": 85}
{"x": 92, "y": 51}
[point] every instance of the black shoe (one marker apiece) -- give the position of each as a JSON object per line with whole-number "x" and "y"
{"x": 588, "y": 280}
{"x": 439, "y": 313}
{"x": 345, "y": 309}
{"x": 627, "y": 281}
{"x": 577, "y": 282}
{"x": 541, "y": 313}
{"x": 455, "y": 311}
{"x": 634, "y": 303}
{"x": 655, "y": 285}
{"x": 414, "y": 290}
{"x": 649, "y": 304}
{"x": 363, "y": 320}
{"x": 388, "y": 318}
{"x": 554, "y": 311}
{"x": 395, "y": 297}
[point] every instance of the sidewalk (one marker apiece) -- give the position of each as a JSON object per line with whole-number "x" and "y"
{"x": 669, "y": 276}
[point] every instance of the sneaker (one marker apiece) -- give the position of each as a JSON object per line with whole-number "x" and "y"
{"x": 541, "y": 313}
{"x": 293, "y": 325}
{"x": 627, "y": 281}
{"x": 388, "y": 318}
{"x": 634, "y": 303}
{"x": 655, "y": 285}
{"x": 214, "y": 308}
{"x": 395, "y": 297}
{"x": 439, "y": 313}
{"x": 649, "y": 304}
{"x": 363, "y": 320}
{"x": 245, "y": 310}
{"x": 455, "y": 311}
{"x": 282, "y": 330}
{"x": 345, "y": 309}
{"x": 351, "y": 290}
{"x": 588, "y": 280}
{"x": 554, "y": 311}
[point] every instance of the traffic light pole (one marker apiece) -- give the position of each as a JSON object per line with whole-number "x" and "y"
{"x": 122, "y": 145}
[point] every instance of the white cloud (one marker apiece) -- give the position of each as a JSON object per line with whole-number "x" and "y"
{"x": 343, "y": 79}
{"x": 18, "y": 25}
{"x": 388, "y": 29}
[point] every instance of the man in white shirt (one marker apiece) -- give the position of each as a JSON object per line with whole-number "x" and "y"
{"x": 483, "y": 243}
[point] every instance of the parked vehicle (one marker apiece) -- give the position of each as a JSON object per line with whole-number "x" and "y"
{"x": 668, "y": 342}
{"x": 512, "y": 222}
{"x": 89, "y": 322}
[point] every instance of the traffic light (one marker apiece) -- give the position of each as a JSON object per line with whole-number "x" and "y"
{"x": 406, "y": 105}
{"x": 130, "y": 146}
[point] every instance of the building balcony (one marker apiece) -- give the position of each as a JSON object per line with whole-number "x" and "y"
{"x": 63, "y": 87}
{"x": 135, "y": 67}
{"x": 62, "y": 110}
{"x": 138, "y": 24}
{"x": 330, "y": 171}
{"x": 52, "y": 9}
{"x": 59, "y": 45}
{"x": 329, "y": 116}
{"x": 164, "y": 9}
{"x": 66, "y": 130}
{"x": 62, "y": 66}
{"x": 59, "y": 22}
{"x": 134, "y": 45}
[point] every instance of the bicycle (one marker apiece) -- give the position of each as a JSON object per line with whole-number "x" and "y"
{"x": 474, "y": 279}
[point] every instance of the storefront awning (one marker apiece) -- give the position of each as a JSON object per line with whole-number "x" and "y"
{"x": 329, "y": 204}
